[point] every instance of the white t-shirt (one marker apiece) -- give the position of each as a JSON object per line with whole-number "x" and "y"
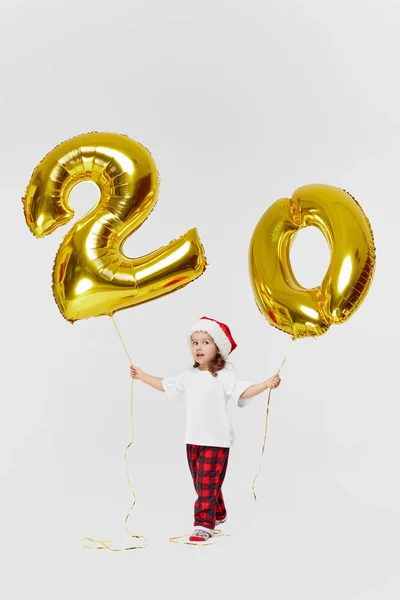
{"x": 205, "y": 398}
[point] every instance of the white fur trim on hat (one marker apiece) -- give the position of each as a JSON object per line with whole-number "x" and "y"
{"x": 215, "y": 331}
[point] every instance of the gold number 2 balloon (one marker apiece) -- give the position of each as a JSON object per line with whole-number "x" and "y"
{"x": 91, "y": 274}
{"x": 287, "y": 305}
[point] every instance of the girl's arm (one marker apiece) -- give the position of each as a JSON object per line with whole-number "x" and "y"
{"x": 258, "y": 388}
{"x": 155, "y": 382}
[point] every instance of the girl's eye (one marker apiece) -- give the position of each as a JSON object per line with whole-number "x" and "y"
{"x": 206, "y": 341}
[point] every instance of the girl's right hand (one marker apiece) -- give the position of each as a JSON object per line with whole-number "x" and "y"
{"x": 135, "y": 372}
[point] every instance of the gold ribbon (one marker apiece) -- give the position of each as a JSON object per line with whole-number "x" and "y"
{"x": 107, "y": 544}
{"x": 266, "y": 420}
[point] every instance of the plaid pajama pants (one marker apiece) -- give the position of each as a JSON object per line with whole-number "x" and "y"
{"x": 208, "y": 467}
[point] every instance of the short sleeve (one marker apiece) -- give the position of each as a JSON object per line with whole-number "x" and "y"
{"x": 235, "y": 387}
{"x": 174, "y": 387}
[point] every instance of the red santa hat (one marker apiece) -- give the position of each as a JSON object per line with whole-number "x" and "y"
{"x": 220, "y": 333}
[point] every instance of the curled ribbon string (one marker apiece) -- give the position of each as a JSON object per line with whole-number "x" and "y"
{"x": 266, "y": 420}
{"x": 107, "y": 544}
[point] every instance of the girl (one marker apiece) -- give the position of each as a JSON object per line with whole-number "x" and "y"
{"x": 205, "y": 389}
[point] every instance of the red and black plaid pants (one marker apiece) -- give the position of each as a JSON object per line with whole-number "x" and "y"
{"x": 208, "y": 467}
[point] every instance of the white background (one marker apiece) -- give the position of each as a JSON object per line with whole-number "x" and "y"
{"x": 240, "y": 104}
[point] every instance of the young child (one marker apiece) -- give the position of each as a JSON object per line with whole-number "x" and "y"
{"x": 205, "y": 389}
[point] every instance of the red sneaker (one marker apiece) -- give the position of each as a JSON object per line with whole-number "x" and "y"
{"x": 200, "y": 535}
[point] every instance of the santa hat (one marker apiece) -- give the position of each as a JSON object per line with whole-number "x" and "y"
{"x": 220, "y": 333}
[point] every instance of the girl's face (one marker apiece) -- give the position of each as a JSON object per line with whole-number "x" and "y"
{"x": 204, "y": 349}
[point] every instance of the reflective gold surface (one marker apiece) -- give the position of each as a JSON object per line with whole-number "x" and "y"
{"x": 91, "y": 274}
{"x": 287, "y": 305}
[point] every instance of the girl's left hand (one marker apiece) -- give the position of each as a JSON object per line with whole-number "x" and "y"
{"x": 273, "y": 381}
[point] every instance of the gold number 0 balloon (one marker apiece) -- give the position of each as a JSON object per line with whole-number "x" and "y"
{"x": 91, "y": 275}
{"x": 280, "y": 298}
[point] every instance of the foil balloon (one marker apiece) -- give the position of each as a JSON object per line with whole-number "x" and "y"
{"x": 296, "y": 310}
{"x": 91, "y": 274}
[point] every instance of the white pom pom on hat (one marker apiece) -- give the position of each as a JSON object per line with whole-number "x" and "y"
{"x": 220, "y": 333}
